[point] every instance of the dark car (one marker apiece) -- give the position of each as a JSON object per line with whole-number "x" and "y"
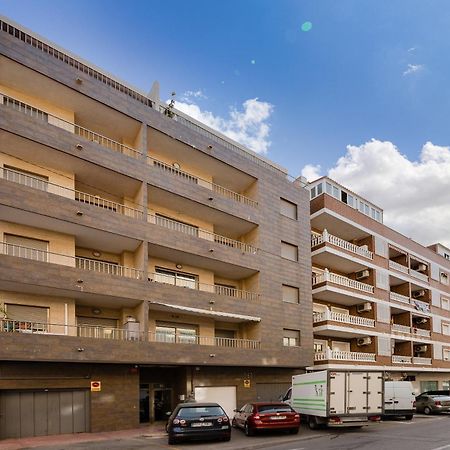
{"x": 429, "y": 404}
{"x": 441, "y": 392}
{"x": 266, "y": 416}
{"x": 197, "y": 421}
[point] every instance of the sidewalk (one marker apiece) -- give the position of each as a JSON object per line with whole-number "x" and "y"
{"x": 152, "y": 430}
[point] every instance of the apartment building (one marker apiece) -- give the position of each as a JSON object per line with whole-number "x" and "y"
{"x": 380, "y": 299}
{"x": 144, "y": 259}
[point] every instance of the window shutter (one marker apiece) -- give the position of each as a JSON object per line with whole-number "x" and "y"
{"x": 289, "y": 251}
{"x": 27, "y": 313}
{"x": 437, "y": 328}
{"x": 381, "y": 247}
{"x": 437, "y": 349}
{"x": 97, "y": 322}
{"x": 288, "y": 209}
{"x": 384, "y": 346}
{"x": 290, "y": 294}
{"x": 382, "y": 279}
{"x": 435, "y": 298}
{"x": 434, "y": 271}
{"x": 383, "y": 313}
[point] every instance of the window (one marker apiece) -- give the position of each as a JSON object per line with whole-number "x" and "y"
{"x": 176, "y": 278}
{"x": 30, "y": 179}
{"x": 290, "y": 294}
{"x": 320, "y": 346}
{"x": 289, "y": 251}
{"x": 25, "y": 247}
{"x": 446, "y": 354}
{"x": 329, "y": 188}
{"x": 446, "y": 329}
{"x": 335, "y": 192}
{"x": 224, "y": 334}
{"x": 428, "y": 386}
{"x": 288, "y": 209}
{"x": 291, "y": 338}
{"x": 319, "y": 189}
{"x": 340, "y": 346}
{"x": 180, "y": 333}
{"x": 445, "y": 303}
{"x": 443, "y": 276}
{"x": 446, "y": 385}
{"x": 27, "y": 318}
{"x": 446, "y": 256}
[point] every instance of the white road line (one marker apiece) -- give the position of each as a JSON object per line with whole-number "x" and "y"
{"x": 441, "y": 448}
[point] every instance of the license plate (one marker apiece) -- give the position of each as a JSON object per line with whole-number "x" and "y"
{"x": 201, "y": 424}
{"x": 278, "y": 417}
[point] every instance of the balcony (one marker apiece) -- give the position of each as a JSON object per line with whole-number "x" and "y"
{"x": 419, "y": 275}
{"x": 85, "y": 133}
{"x": 330, "y": 277}
{"x": 190, "y": 230}
{"x": 193, "y": 284}
{"x": 421, "y": 332}
{"x": 343, "y": 318}
{"x": 399, "y": 267}
{"x": 395, "y": 327}
{"x": 325, "y": 237}
{"x": 82, "y": 197}
{"x": 404, "y": 269}
{"x": 220, "y": 190}
{"x": 338, "y": 355}
{"x": 121, "y": 334}
{"x": 72, "y": 261}
{"x": 421, "y": 361}
{"x": 399, "y": 297}
{"x": 400, "y": 359}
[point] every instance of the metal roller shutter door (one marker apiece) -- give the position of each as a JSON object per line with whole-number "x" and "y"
{"x": 271, "y": 392}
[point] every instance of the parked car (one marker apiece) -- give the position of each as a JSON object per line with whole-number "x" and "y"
{"x": 441, "y": 392}
{"x": 197, "y": 421}
{"x": 430, "y": 404}
{"x": 254, "y": 417}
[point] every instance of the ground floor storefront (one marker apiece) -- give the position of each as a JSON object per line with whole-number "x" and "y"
{"x": 424, "y": 381}
{"x": 38, "y": 399}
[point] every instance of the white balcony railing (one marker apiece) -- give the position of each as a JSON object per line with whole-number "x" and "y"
{"x": 400, "y": 328}
{"x": 222, "y": 191}
{"x": 72, "y": 261}
{"x": 399, "y": 267}
{"x": 344, "y": 356}
{"x": 120, "y": 334}
{"x": 399, "y": 359}
{"x": 343, "y": 318}
{"x": 422, "y": 361}
{"x": 317, "y": 239}
{"x": 420, "y": 306}
{"x": 420, "y": 332}
{"x": 85, "y": 133}
{"x": 399, "y": 297}
{"x": 419, "y": 275}
{"x": 200, "y": 233}
{"x": 194, "y": 284}
{"x": 330, "y": 277}
{"x": 82, "y": 197}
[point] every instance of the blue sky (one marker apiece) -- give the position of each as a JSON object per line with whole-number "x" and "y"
{"x": 367, "y": 68}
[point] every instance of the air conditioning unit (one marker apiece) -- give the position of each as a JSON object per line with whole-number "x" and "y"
{"x": 364, "y": 247}
{"x": 421, "y": 348}
{"x": 420, "y": 267}
{"x": 418, "y": 294}
{"x": 362, "y": 274}
{"x": 420, "y": 320}
{"x": 364, "y": 341}
{"x": 364, "y": 307}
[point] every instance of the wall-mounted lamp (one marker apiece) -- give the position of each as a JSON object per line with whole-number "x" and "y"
{"x": 210, "y": 146}
{"x": 211, "y": 302}
{"x": 79, "y": 147}
{"x": 96, "y": 253}
{"x": 80, "y": 349}
{"x": 96, "y": 311}
{"x": 210, "y": 198}
{"x": 79, "y": 213}
{"x": 212, "y": 355}
{"x": 179, "y": 266}
{"x": 176, "y": 165}
{"x": 211, "y": 250}
{"x": 79, "y": 281}
{"x": 79, "y": 80}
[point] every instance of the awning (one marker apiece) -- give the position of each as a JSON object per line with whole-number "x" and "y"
{"x": 205, "y": 312}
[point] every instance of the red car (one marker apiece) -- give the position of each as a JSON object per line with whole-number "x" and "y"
{"x": 254, "y": 417}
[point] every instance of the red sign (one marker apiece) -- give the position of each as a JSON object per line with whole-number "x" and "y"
{"x": 96, "y": 386}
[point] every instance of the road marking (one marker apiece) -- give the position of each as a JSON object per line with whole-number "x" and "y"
{"x": 301, "y": 448}
{"x": 441, "y": 448}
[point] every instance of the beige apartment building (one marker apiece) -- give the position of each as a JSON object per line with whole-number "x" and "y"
{"x": 380, "y": 299}
{"x": 145, "y": 259}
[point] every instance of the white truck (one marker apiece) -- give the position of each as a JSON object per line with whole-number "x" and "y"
{"x": 399, "y": 399}
{"x": 338, "y": 398}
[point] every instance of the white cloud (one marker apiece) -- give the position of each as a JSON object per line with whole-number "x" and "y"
{"x": 311, "y": 172}
{"x": 415, "y": 195}
{"x": 189, "y": 96}
{"x": 413, "y": 68}
{"x": 248, "y": 126}
{"x": 411, "y": 49}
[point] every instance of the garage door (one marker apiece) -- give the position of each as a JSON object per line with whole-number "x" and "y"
{"x": 29, "y": 413}
{"x": 271, "y": 392}
{"x": 225, "y": 396}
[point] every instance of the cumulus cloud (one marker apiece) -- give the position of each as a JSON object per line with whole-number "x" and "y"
{"x": 415, "y": 195}
{"x": 248, "y": 126}
{"x": 413, "y": 68}
{"x": 311, "y": 172}
{"x": 190, "y": 96}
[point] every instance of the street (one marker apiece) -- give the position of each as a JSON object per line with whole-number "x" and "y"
{"x": 422, "y": 433}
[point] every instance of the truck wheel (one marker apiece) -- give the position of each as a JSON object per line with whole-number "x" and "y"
{"x": 312, "y": 423}
{"x": 248, "y": 430}
{"x": 409, "y": 416}
{"x": 427, "y": 410}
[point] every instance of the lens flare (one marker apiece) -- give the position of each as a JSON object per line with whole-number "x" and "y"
{"x": 306, "y": 26}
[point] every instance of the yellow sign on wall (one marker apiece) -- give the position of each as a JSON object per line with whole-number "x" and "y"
{"x": 246, "y": 383}
{"x": 96, "y": 386}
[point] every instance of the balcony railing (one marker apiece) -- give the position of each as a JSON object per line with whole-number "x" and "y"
{"x": 422, "y": 361}
{"x": 343, "y": 318}
{"x": 399, "y": 359}
{"x": 400, "y": 328}
{"x": 72, "y": 261}
{"x": 330, "y": 277}
{"x": 419, "y": 275}
{"x": 82, "y": 197}
{"x": 317, "y": 239}
{"x": 120, "y": 334}
{"x": 85, "y": 133}
{"x": 399, "y": 297}
{"x": 220, "y": 190}
{"x": 421, "y": 332}
{"x": 344, "y": 356}
{"x": 396, "y": 266}
{"x": 200, "y": 233}
{"x": 194, "y": 284}
{"x": 420, "y": 306}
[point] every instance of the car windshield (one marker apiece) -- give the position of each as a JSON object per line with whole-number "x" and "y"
{"x": 200, "y": 411}
{"x": 274, "y": 408}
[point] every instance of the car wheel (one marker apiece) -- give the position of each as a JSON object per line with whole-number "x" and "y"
{"x": 409, "y": 416}
{"x": 233, "y": 423}
{"x": 248, "y": 430}
{"x": 427, "y": 410}
{"x": 294, "y": 430}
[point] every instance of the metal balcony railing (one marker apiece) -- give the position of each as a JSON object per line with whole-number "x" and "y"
{"x": 82, "y": 197}
{"x": 194, "y": 284}
{"x": 317, "y": 239}
{"x": 343, "y": 318}
{"x": 120, "y": 334}
{"x": 222, "y": 191}
{"x": 330, "y": 277}
{"x": 399, "y": 359}
{"x": 344, "y": 356}
{"x": 85, "y": 133}
{"x": 200, "y": 233}
{"x": 72, "y": 261}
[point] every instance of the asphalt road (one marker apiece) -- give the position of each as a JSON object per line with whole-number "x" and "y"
{"x": 422, "y": 433}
